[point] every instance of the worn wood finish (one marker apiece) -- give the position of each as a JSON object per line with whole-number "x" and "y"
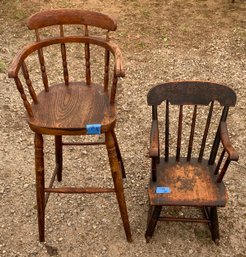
{"x": 191, "y": 180}
{"x": 191, "y": 183}
{"x": 67, "y": 108}
{"x": 191, "y": 92}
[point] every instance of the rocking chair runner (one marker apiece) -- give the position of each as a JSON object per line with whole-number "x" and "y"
{"x": 71, "y": 107}
{"x": 183, "y": 180}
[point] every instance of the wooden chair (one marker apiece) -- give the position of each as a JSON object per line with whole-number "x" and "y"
{"x": 189, "y": 175}
{"x": 65, "y": 106}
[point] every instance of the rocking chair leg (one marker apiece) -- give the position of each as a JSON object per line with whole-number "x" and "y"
{"x": 58, "y": 151}
{"x": 152, "y": 221}
{"x": 39, "y": 167}
{"x": 214, "y": 225}
{"x": 117, "y": 178}
{"x": 119, "y": 155}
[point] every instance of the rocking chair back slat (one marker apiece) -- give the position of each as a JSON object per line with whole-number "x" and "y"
{"x": 216, "y": 143}
{"x": 205, "y": 134}
{"x": 167, "y": 132}
{"x": 179, "y": 132}
{"x": 192, "y": 131}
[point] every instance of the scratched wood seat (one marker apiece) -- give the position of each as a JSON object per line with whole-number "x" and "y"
{"x": 68, "y": 106}
{"x": 197, "y": 151}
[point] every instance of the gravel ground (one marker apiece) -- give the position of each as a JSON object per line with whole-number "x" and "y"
{"x": 161, "y": 41}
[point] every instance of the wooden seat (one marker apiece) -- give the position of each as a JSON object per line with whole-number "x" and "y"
{"x": 72, "y": 107}
{"x": 65, "y": 105}
{"x": 191, "y": 173}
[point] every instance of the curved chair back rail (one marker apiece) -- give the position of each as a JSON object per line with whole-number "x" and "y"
{"x": 70, "y": 16}
{"x": 191, "y": 93}
{"x": 30, "y": 48}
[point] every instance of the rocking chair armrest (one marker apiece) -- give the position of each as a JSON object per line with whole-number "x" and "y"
{"x": 224, "y": 136}
{"x": 154, "y": 140}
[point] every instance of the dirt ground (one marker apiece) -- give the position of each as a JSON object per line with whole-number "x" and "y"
{"x": 161, "y": 40}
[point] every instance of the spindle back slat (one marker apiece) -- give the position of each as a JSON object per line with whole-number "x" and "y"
{"x": 179, "y": 132}
{"x": 216, "y": 143}
{"x": 192, "y": 131}
{"x": 106, "y": 70}
{"x": 167, "y": 132}
{"x": 205, "y": 134}
{"x": 23, "y": 96}
{"x": 43, "y": 69}
{"x": 29, "y": 83}
{"x": 64, "y": 58}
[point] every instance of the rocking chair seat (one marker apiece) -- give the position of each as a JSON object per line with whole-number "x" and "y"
{"x": 191, "y": 184}
{"x": 71, "y": 107}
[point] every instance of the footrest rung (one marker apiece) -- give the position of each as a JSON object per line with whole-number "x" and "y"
{"x": 72, "y": 190}
{"x": 184, "y": 219}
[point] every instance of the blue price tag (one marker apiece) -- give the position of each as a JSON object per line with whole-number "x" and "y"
{"x": 163, "y": 190}
{"x": 93, "y": 129}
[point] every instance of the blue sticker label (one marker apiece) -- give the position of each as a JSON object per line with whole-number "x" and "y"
{"x": 93, "y": 129}
{"x": 163, "y": 190}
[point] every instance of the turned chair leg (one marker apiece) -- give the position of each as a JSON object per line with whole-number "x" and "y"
{"x": 214, "y": 225}
{"x": 39, "y": 167}
{"x": 118, "y": 185}
{"x": 119, "y": 155}
{"x": 154, "y": 213}
{"x": 58, "y": 152}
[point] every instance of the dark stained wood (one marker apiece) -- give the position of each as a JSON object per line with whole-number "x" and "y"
{"x": 70, "y": 16}
{"x": 106, "y": 70}
{"x": 167, "y": 132}
{"x": 217, "y": 139}
{"x": 67, "y": 108}
{"x": 191, "y": 92}
{"x": 58, "y": 154}
{"x": 39, "y": 167}
{"x": 192, "y": 131}
{"x": 219, "y": 162}
{"x": 154, "y": 143}
{"x": 189, "y": 181}
{"x": 224, "y": 136}
{"x": 179, "y": 132}
{"x": 205, "y": 134}
{"x": 87, "y": 64}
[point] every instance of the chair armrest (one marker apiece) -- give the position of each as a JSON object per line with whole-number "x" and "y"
{"x": 233, "y": 155}
{"x": 119, "y": 70}
{"x": 154, "y": 140}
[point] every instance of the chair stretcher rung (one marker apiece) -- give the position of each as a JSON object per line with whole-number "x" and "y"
{"x": 184, "y": 219}
{"x": 72, "y": 190}
{"x": 85, "y": 143}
